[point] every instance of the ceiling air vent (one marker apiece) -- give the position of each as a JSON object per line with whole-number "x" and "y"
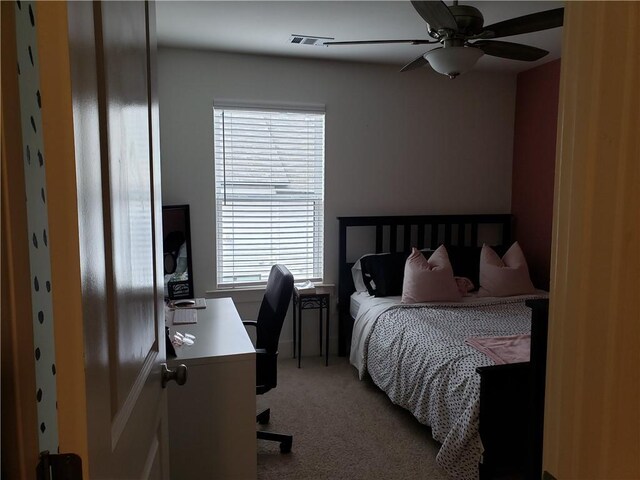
{"x": 308, "y": 40}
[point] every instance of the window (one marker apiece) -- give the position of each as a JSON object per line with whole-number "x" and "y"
{"x": 269, "y": 177}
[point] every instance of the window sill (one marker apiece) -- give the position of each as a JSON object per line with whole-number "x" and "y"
{"x": 239, "y": 295}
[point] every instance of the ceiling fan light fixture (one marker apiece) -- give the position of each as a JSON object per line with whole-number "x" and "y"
{"x": 452, "y": 61}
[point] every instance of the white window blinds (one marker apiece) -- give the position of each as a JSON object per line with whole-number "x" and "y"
{"x": 269, "y": 171}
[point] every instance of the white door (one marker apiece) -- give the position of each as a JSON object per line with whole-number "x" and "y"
{"x": 119, "y": 208}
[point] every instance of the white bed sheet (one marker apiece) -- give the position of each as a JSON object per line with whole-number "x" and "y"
{"x": 357, "y": 299}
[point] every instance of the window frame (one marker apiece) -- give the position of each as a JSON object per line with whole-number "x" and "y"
{"x": 316, "y": 267}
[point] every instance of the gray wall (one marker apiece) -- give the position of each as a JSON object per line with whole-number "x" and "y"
{"x": 410, "y": 143}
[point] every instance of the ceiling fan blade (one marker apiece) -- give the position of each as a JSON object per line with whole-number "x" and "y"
{"x": 513, "y": 51}
{"x": 375, "y": 42}
{"x": 525, "y": 24}
{"x": 436, "y": 14}
{"x": 417, "y": 63}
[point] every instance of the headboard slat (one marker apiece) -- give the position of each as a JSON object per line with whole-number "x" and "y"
{"x": 434, "y": 234}
{"x": 393, "y": 237}
{"x": 474, "y": 234}
{"x": 407, "y": 237}
{"x": 447, "y": 233}
{"x": 462, "y": 227}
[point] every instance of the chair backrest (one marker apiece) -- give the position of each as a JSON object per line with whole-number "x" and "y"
{"x": 274, "y": 308}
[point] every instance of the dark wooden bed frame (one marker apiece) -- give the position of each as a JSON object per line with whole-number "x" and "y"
{"x": 511, "y": 396}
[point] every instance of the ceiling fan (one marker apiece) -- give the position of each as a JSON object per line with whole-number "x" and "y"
{"x": 454, "y": 27}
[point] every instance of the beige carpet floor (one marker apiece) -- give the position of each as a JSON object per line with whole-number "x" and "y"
{"x": 343, "y": 428}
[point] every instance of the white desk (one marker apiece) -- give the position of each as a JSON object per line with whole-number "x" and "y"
{"x": 212, "y": 418}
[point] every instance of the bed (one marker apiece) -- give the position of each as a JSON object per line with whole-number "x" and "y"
{"x": 480, "y": 412}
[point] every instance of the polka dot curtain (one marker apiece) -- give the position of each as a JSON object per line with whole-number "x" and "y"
{"x": 39, "y": 255}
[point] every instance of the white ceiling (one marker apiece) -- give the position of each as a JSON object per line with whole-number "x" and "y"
{"x": 264, "y": 28}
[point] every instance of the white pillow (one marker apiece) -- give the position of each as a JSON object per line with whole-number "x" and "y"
{"x": 358, "y": 281}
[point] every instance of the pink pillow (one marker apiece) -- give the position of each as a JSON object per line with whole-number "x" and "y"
{"x": 504, "y": 277}
{"x": 429, "y": 280}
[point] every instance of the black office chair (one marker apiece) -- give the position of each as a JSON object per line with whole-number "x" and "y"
{"x": 269, "y": 324}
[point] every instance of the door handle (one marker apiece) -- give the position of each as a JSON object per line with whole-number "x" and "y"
{"x": 179, "y": 375}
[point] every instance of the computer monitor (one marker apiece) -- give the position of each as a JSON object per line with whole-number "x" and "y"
{"x": 178, "y": 272}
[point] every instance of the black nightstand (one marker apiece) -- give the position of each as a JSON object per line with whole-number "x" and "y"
{"x": 316, "y": 299}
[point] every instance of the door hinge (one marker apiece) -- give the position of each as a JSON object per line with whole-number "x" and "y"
{"x": 60, "y": 466}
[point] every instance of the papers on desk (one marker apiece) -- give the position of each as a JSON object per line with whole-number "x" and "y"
{"x": 305, "y": 287}
{"x": 183, "y": 316}
{"x": 310, "y": 287}
{"x": 187, "y": 339}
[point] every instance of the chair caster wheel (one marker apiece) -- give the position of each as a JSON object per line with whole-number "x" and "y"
{"x": 264, "y": 417}
{"x": 285, "y": 447}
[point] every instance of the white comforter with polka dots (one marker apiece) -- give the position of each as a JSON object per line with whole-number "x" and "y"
{"x": 417, "y": 355}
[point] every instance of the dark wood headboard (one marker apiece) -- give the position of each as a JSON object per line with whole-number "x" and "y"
{"x": 399, "y": 234}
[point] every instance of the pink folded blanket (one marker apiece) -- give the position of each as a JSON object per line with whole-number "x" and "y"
{"x": 511, "y": 349}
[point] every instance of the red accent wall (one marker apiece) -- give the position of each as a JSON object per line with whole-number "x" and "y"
{"x": 534, "y": 155}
